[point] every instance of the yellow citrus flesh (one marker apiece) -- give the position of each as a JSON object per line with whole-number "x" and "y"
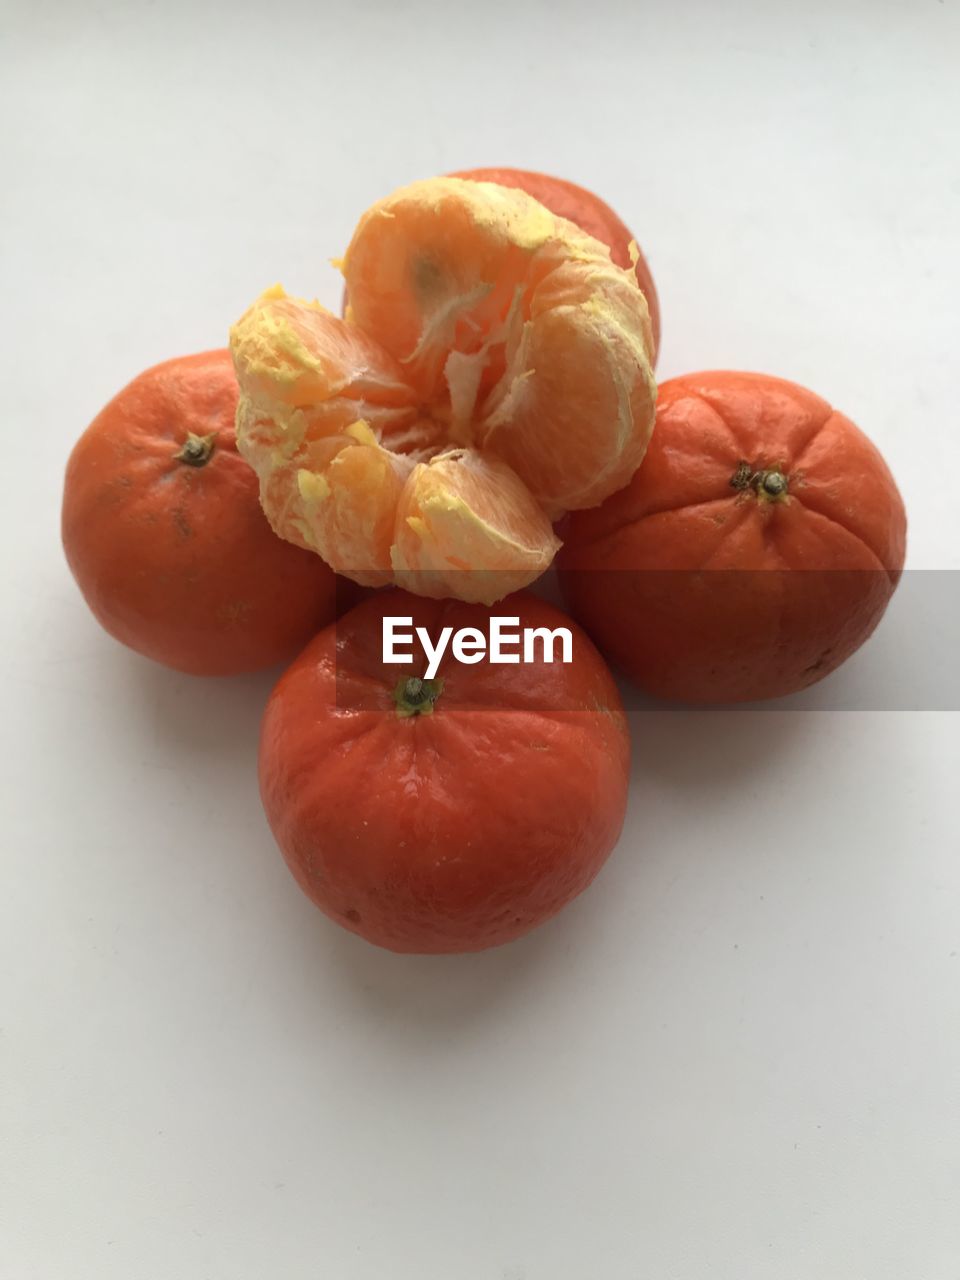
{"x": 493, "y": 372}
{"x": 469, "y": 528}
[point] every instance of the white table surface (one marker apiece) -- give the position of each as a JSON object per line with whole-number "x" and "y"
{"x": 738, "y": 1056}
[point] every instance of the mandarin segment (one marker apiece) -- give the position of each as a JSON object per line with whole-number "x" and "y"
{"x": 352, "y": 506}
{"x": 435, "y": 266}
{"x": 499, "y": 363}
{"x": 564, "y": 412}
{"x": 590, "y": 213}
{"x": 468, "y": 527}
{"x": 300, "y": 354}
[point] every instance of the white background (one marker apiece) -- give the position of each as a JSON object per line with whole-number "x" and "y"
{"x": 738, "y": 1056}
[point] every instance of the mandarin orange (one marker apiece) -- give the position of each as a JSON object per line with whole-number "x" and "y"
{"x": 165, "y": 536}
{"x": 450, "y": 814}
{"x": 755, "y": 550}
{"x": 494, "y": 371}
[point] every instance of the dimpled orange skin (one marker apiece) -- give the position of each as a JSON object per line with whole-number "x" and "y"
{"x": 706, "y": 592}
{"x": 456, "y": 830}
{"x": 175, "y": 560}
{"x": 589, "y": 213}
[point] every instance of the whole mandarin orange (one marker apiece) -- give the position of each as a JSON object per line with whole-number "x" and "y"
{"x": 756, "y": 548}
{"x": 163, "y": 530}
{"x": 450, "y": 814}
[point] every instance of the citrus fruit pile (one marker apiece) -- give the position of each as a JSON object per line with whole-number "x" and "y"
{"x": 485, "y": 404}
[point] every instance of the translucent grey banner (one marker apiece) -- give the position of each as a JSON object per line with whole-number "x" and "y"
{"x": 793, "y": 621}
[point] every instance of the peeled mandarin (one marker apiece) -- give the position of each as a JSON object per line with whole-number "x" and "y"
{"x": 493, "y": 372}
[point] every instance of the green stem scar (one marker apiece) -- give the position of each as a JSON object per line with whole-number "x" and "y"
{"x": 196, "y": 449}
{"x": 415, "y": 697}
{"x": 771, "y": 485}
